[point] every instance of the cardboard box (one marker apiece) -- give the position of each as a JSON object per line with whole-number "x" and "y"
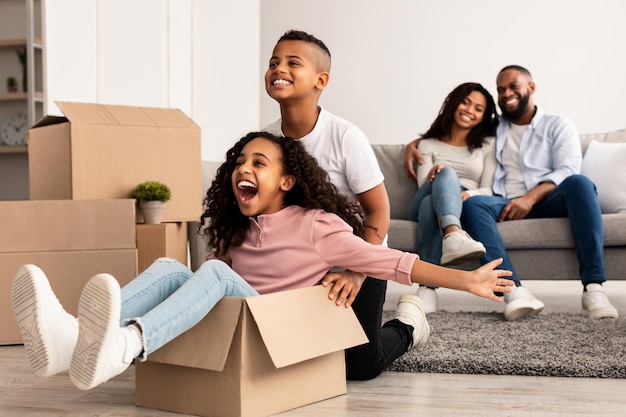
{"x": 100, "y": 151}
{"x": 70, "y": 241}
{"x": 161, "y": 240}
{"x": 253, "y": 356}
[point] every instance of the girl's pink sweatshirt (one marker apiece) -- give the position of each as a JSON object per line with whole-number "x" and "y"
{"x": 296, "y": 247}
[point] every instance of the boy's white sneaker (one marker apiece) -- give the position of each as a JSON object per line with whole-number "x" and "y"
{"x": 410, "y": 311}
{"x": 104, "y": 349}
{"x": 429, "y": 298}
{"x": 48, "y": 331}
{"x": 596, "y": 304}
{"x": 458, "y": 247}
{"x": 521, "y": 303}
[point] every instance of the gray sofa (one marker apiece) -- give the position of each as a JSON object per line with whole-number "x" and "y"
{"x": 539, "y": 248}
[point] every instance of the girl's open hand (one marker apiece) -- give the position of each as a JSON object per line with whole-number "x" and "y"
{"x": 488, "y": 280}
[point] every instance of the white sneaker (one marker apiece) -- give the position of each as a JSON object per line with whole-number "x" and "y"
{"x": 48, "y": 331}
{"x": 104, "y": 349}
{"x": 596, "y": 304}
{"x": 521, "y": 303}
{"x": 429, "y": 298}
{"x": 458, "y": 247}
{"x": 411, "y": 312}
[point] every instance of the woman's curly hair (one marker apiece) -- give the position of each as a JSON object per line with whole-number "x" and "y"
{"x": 443, "y": 123}
{"x": 227, "y": 226}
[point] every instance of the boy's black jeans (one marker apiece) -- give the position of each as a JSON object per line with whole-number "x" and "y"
{"x": 386, "y": 343}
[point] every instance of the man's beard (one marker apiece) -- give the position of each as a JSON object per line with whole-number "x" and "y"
{"x": 519, "y": 111}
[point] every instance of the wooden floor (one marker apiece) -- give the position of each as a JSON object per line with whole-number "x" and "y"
{"x": 392, "y": 394}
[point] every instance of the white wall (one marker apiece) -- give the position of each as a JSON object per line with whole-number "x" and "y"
{"x": 395, "y": 61}
{"x": 195, "y": 55}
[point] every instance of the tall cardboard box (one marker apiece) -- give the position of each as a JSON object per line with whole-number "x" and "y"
{"x": 161, "y": 240}
{"x": 70, "y": 241}
{"x": 254, "y": 356}
{"x": 100, "y": 151}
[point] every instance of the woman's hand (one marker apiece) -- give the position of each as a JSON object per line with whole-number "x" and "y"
{"x": 347, "y": 285}
{"x": 434, "y": 171}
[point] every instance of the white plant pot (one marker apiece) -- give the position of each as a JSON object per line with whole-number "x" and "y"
{"x": 152, "y": 211}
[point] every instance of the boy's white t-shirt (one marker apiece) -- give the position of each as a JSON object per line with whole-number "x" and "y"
{"x": 343, "y": 150}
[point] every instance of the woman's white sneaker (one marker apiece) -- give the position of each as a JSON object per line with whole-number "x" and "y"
{"x": 429, "y": 298}
{"x": 521, "y": 303}
{"x": 104, "y": 349}
{"x": 458, "y": 247}
{"x": 48, "y": 331}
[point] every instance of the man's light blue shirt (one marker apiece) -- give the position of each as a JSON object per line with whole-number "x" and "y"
{"x": 549, "y": 151}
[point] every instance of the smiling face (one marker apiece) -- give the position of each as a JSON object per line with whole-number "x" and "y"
{"x": 471, "y": 110}
{"x": 515, "y": 91}
{"x": 297, "y": 69}
{"x": 258, "y": 181}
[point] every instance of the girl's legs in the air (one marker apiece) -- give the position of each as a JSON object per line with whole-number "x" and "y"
{"x": 116, "y": 325}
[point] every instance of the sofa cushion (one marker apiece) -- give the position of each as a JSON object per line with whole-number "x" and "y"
{"x": 603, "y": 163}
{"x": 400, "y": 187}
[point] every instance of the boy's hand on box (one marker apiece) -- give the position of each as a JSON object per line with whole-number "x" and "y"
{"x": 346, "y": 285}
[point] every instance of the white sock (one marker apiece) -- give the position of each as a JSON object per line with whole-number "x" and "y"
{"x": 135, "y": 339}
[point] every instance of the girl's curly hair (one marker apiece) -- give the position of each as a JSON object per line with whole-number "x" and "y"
{"x": 227, "y": 226}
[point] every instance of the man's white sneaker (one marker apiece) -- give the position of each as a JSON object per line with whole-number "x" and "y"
{"x": 521, "y": 303}
{"x": 596, "y": 304}
{"x": 411, "y": 312}
{"x": 48, "y": 331}
{"x": 430, "y": 301}
{"x": 458, "y": 247}
{"x": 104, "y": 349}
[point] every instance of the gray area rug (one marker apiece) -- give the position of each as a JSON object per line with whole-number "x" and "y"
{"x": 554, "y": 344}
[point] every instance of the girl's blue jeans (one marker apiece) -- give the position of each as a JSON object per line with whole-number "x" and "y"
{"x": 167, "y": 299}
{"x": 435, "y": 206}
{"x": 575, "y": 198}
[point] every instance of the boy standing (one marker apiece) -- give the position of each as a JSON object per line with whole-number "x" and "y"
{"x": 298, "y": 72}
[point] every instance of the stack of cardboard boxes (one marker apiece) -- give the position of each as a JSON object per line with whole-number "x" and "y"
{"x": 80, "y": 219}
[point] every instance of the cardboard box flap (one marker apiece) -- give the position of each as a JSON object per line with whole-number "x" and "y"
{"x": 210, "y": 342}
{"x": 49, "y": 120}
{"x": 284, "y": 320}
{"x": 118, "y": 115}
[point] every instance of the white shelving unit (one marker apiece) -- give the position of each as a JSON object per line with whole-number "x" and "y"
{"x": 21, "y": 32}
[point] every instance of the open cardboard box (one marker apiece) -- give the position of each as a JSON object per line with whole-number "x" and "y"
{"x": 101, "y": 151}
{"x": 253, "y": 356}
{"x": 70, "y": 241}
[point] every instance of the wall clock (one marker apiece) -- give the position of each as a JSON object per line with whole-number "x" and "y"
{"x": 14, "y": 130}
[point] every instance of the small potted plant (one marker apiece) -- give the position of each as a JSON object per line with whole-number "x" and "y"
{"x": 151, "y": 196}
{"x": 12, "y": 85}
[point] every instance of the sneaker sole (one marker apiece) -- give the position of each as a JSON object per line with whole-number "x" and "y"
{"x": 459, "y": 258}
{"x": 532, "y": 309}
{"x": 28, "y": 285}
{"x": 603, "y": 313}
{"x": 98, "y": 310}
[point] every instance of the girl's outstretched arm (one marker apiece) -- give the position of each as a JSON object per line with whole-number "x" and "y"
{"x": 483, "y": 281}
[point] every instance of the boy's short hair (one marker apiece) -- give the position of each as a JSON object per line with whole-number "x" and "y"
{"x": 298, "y": 35}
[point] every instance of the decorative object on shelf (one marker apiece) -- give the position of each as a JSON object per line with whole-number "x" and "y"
{"x": 22, "y": 57}
{"x": 11, "y": 85}
{"x": 14, "y": 130}
{"x": 151, "y": 196}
